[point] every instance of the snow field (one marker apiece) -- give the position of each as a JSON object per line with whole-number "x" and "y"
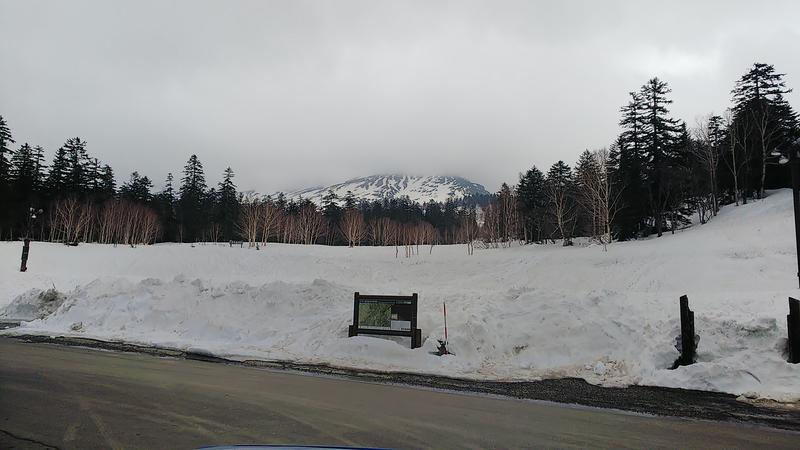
{"x": 525, "y": 312}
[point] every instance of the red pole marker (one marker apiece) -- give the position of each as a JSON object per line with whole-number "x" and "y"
{"x": 444, "y": 310}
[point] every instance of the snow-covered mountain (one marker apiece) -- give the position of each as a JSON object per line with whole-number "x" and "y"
{"x": 420, "y": 189}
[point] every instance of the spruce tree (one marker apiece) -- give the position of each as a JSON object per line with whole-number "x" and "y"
{"x": 25, "y": 181}
{"x": 765, "y": 119}
{"x": 562, "y": 206}
{"x": 5, "y": 151}
{"x": 26, "y": 172}
{"x": 191, "y": 220}
{"x": 106, "y": 184}
{"x": 57, "y": 178}
{"x": 659, "y": 148}
{"x": 586, "y": 173}
{"x": 330, "y": 206}
{"x": 77, "y": 169}
{"x": 227, "y": 205}
{"x": 627, "y": 168}
{"x": 165, "y": 205}
{"x": 137, "y": 188}
{"x": 531, "y": 200}
{"x": 6, "y": 219}
{"x": 349, "y": 200}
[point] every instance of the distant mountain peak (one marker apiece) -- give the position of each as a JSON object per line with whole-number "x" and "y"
{"x": 420, "y": 189}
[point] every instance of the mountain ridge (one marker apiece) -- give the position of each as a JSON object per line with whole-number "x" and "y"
{"x": 418, "y": 188}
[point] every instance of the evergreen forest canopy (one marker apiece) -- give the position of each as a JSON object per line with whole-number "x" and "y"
{"x": 651, "y": 179}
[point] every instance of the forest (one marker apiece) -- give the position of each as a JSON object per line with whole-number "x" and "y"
{"x": 657, "y": 176}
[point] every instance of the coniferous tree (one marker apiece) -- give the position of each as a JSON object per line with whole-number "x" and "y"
{"x": 137, "y": 188}
{"x": 333, "y": 215}
{"x": 106, "y": 185}
{"x": 93, "y": 172}
{"x": 227, "y": 205}
{"x": 764, "y": 120}
{"x": 191, "y": 220}
{"x": 25, "y": 183}
{"x": 349, "y": 200}
{"x": 77, "y": 168}
{"x": 5, "y": 155}
{"x": 562, "y": 207}
{"x": 628, "y": 170}
{"x": 660, "y": 147}
{"x": 165, "y": 206}
{"x": 24, "y": 171}
{"x": 5, "y": 150}
{"x": 532, "y": 200}
{"x": 586, "y": 172}
{"x": 57, "y": 178}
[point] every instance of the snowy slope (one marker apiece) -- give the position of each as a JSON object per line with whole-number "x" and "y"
{"x": 520, "y": 313}
{"x": 419, "y": 189}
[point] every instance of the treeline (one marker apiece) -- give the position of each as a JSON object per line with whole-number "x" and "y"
{"x": 659, "y": 172}
{"x": 74, "y": 198}
{"x": 652, "y": 179}
{"x": 396, "y": 222}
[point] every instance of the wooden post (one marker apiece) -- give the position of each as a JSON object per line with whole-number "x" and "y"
{"x": 416, "y": 334}
{"x": 26, "y": 248}
{"x": 793, "y": 325}
{"x": 688, "y": 345}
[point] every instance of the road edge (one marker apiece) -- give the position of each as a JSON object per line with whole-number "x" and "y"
{"x": 652, "y": 400}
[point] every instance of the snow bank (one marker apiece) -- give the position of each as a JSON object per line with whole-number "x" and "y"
{"x": 521, "y": 313}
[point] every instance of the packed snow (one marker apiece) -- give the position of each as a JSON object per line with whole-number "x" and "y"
{"x": 520, "y": 313}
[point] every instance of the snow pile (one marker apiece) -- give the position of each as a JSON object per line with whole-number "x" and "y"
{"x": 33, "y": 304}
{"x": 525, "y": 312}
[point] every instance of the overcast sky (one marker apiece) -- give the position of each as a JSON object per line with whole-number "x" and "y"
{"x": 292, "y": 93}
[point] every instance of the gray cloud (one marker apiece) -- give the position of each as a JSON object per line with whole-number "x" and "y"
{"x": 293, "y": 93}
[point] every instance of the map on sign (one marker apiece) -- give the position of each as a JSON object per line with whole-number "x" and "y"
{"x": 384, "y": 315}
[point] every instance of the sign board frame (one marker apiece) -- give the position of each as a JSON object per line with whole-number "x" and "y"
{"x": 414, "y": 333}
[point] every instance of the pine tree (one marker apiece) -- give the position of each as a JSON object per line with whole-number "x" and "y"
{"x": 349, "y": 200}
{"x": 191, "y": 220}
{"x": 106, "y": 185}
{"x": 333, "y": 215}
{"x": 26, "y": 172}
{"x": 77, "y": 169}
{"x": 659, "y": 148}
{"x": 57, "y": 178}
{"x": 93, "y": 176}
{"x": 330, "y": 206}
{"x": 562, "y": 207}
{"x": 633, "y": 124}
{"x": 531, "y": 200}
{"x": 5, "y": 151}
{"x": 39, "y": 166}
{"x": 759, "y": 108}
{"x": 586, "y": 172}
{"x": 169, "y": 191}
{"x": 227, "y": 205}
{"x": 165, "y": 205}
{"x": 627, "y": 167}
{"x": 137, "y": 188}
{"x": 25, "y": 183}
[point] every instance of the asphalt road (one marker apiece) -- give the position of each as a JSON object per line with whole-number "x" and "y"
{"x": 67, "y": 397}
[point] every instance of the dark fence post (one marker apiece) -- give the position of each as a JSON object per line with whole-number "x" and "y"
{"x": 416, "y": 334}
{"x": 352, "y": 330}
{"x": 26, "y": 248}
{"x": 688, "y": 346}
{"x": 793, "y": 324}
